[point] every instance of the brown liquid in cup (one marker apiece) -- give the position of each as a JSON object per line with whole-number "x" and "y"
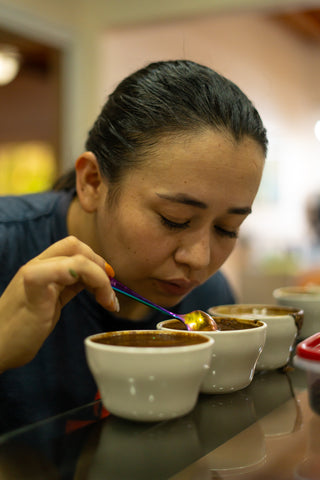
{"x": 300, "y": 291}
{"x": 239, "y": 310}
{"x": 266, "y": 310}
{"x": 224, "y": 324}
{"x": 146, "y": 339}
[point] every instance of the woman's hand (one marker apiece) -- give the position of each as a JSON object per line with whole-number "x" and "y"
{"x": 31, "y": 304}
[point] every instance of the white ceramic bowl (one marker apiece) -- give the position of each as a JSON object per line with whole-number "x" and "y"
{"x": 307, "y": 298}
{"x": 148, "y": 375}
{"x": 282, "y": 322}
{"x": 234, "y": 354}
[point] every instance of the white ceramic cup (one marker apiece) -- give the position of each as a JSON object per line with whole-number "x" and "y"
{"x": 148, "y": 375}
{"x": 282, "y": 327}
{"x": 234, "y": 354}
{"x": 308, "y": 299}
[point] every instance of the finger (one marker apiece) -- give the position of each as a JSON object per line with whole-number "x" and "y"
{"x": 65, "y": 272}
{"x": 69, "y": 246}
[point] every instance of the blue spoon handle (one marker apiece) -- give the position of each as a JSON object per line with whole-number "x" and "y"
{"x": 119, "y": 287}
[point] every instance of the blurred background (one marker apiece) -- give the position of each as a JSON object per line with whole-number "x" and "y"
{"x": 60, "y": 59}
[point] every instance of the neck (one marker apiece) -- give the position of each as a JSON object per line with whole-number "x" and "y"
{"x": 81, "y": 224}
{"x": 131, "y": 309}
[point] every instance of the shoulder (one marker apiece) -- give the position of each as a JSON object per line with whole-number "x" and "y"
{"x": 215, "y": 291}
{"x": 27, "y": 207}
{"x": 28, "y": 225}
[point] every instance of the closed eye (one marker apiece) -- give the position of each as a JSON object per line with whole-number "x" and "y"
{"x": 174, "y": 225}
{"x": 226, "y": 233}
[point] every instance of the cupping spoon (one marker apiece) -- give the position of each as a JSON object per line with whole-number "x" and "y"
{"x": 196, "y": 320}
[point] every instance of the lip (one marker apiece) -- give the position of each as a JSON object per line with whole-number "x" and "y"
{"x": 178, "y": 287}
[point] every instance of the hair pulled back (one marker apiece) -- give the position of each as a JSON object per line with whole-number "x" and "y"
{"x": 167, "y": 98}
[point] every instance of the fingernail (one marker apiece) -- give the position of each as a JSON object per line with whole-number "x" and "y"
{"x": 109, "y": 270}
{"x": 116, "y": 304}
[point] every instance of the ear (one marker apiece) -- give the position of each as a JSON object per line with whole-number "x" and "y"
{"x": 89, "y": 184}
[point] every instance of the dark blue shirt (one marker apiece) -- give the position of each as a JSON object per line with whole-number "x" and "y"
{"x": 58, "y": 378}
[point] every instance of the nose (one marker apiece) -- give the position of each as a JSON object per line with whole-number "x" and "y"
{"x": 194, "y": 251}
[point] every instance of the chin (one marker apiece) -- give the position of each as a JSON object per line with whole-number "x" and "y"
{"x": 169, "y": 302}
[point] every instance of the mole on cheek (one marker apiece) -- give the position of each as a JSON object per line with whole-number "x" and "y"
{"x": 134, "y": 252}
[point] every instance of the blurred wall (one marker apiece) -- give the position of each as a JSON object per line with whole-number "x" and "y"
{"x": 104, "y": 40}
{"x": 77, "y": 26}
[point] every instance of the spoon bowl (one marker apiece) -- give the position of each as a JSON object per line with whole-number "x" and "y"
{"x": 199, "y": 320}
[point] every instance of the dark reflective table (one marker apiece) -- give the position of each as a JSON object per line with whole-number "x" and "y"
{"x": 226, "y": 436}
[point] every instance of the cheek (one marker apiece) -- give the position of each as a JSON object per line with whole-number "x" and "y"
{"x": 142, "y": 239}
{"x": 221, "y": 252}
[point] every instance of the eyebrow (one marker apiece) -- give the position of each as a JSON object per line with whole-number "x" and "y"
{"x": 183, "y": 198}
{"x": 188, "y": 200}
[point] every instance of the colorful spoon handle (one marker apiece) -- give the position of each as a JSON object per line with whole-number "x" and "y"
{"x": 119, "y": 287}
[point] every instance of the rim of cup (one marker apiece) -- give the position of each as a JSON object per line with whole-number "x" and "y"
{"x": 312, "y": 293}
{"x": 204, "y": 340}
{"x": 244, "y": 308}
{"x": 258, "y": 324}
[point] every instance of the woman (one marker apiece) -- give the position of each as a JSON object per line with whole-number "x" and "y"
{"x": 171, "y": 169}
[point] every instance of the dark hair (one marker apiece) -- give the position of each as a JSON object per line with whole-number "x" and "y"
{"x": 166, "y": 98}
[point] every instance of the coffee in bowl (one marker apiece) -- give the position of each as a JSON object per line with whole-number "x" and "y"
{"x": 223, "y": 324}
{"x": 144, "y": 339}
{"x": 148, "y": 375}
{"x": 283, "y": 324}
{"x": 306, "y": 298}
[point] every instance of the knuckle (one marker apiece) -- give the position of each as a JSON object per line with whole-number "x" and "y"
{"x": 81, "y": 260}
{"x": 76, "y": 247}
{"x": 73, "y": 243}
{"x": 26, "y": 272}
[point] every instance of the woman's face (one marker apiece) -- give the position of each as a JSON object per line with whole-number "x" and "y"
{"x": 178, "y": 215}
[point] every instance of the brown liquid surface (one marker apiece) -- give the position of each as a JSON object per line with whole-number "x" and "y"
{"x": 235, "y": 324}
{"x": 301, "y": 291}
{"x": 266, "y": 310}
{"x": 146, "y": 339}
{"x": 254, "y": 310}
{"x": 224, "y": 323}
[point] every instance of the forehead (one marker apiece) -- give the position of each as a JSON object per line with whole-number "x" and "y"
{"x": 207, "y": 157}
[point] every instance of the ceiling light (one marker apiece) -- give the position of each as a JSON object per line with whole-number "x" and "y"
{"x": 9, "y": 63}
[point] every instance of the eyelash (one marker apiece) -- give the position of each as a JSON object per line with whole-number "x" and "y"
{"x": 174, "y": 225}
{"x": 226, "y": 233}
{"x": 180, "y": 226}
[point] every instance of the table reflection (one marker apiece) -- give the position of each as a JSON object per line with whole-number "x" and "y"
{"x": 21, "y": 461}
{"x": 276, "y": 390}
{"x": 78, "y": 446}
{"x": 127, "y": 450}
{"x": 219, "y": 417}
{"x": 309, "y": 467}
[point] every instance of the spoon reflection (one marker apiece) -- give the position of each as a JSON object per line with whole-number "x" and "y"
{"x": 199, "y": 320}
